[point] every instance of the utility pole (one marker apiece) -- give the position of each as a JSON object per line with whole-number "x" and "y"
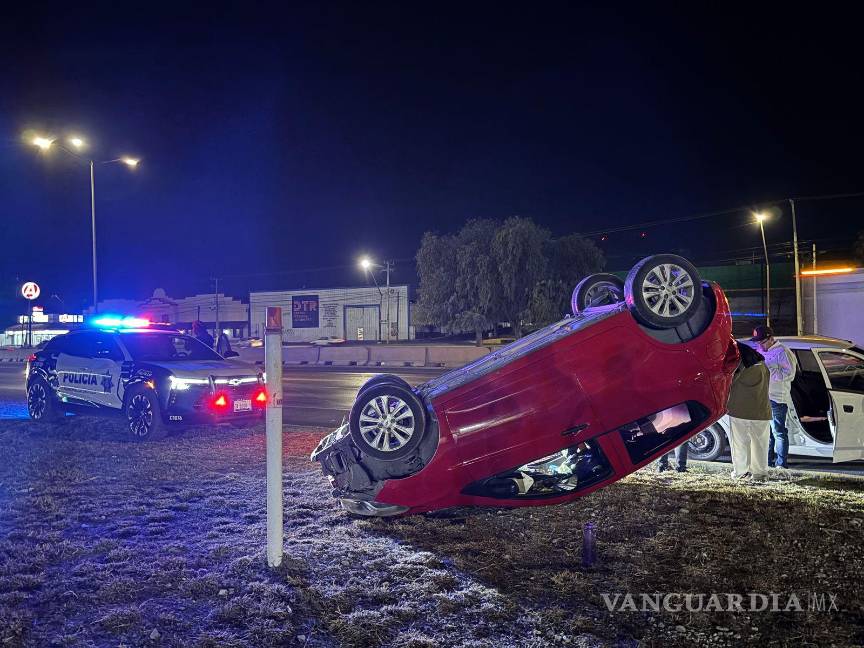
{"x": 387, "y": 266}
{"x": 767, "y": 275}
{"x": 216, "y": 279}
{"x": 799, "y": 316}
{"x": 93, "y": 229}
{"x": 815, "y": 309}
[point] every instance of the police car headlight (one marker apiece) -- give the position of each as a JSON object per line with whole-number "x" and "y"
{"x": 182, "y": 384}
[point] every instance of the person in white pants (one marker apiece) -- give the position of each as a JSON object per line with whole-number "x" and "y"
{"x": 750, "y": 416}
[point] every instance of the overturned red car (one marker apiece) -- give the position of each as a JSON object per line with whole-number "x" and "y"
{"x": 641, "y": 366}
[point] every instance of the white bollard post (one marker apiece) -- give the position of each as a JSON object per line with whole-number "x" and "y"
{"x": 273, "y": 366}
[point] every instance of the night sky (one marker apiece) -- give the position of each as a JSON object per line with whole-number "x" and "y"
{"x": 286, "y": 139}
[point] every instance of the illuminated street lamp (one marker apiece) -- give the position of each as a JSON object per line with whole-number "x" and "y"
{"x": 368, "y": 266}
{"x": 761, "y": 217}
{"x": 77, "y": 143}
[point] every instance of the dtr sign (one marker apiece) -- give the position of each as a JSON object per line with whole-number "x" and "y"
{"x": 304, "y": 311}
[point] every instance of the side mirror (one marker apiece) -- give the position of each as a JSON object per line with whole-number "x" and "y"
{"x": 231, "y": 354}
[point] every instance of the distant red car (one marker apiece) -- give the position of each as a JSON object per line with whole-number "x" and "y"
{"x": 640, "y": 367}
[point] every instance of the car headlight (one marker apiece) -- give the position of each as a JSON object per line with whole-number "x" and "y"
{"x": 182, "y": 384}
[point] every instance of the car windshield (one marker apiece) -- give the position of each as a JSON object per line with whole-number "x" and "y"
{"x": 163, "y": 347}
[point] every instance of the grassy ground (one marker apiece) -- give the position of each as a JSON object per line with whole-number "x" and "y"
{"x": 107, "y": 543}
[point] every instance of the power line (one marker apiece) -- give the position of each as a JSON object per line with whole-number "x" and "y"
{"x": 724, "y": 212}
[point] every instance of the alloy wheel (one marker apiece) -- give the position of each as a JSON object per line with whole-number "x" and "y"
{"x": 603, "y": 293}
{"x": 668, "y": 290}
{"x": 387, "y": 423}
{"x": 140, "y": 415}
{"x": 37, "y": 401}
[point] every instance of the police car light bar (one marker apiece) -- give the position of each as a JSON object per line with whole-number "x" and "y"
{"x": 111, "y": 321}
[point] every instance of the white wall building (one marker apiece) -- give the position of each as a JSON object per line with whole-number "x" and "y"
{"x": 182, "y": 311}
{"x": 839, "y": 305}
{"x": 349, "y": 313}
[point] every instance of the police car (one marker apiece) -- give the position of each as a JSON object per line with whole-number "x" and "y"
{"x": 154, "y": 377}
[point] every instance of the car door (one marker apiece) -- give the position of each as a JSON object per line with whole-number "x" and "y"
{"x": 73, "y": 368}
{"x": 844, "y": 374}
{"x": 88, "y": 369}
{"x": 104, "y": 369}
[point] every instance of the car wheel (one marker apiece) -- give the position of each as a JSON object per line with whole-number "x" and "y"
{"x": 599, "y": 289}
{"x": 387, "y": 421}
{"x": 42, "y": 405}
{"x": 384, "y": 379}
{"x": 663, "y": 291}
{"x": 708, "y": 445}
{"x": 143, "y": 415}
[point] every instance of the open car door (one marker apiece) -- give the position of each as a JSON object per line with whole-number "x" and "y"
{"x": 844, "y": 375}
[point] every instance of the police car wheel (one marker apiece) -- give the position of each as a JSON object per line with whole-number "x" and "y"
{"x": 41, "y": 404}
{"x": 143, "y": 415}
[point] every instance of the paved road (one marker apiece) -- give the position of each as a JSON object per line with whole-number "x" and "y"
{"x": 312, "y": 396}
{"x": 321, "y": 396}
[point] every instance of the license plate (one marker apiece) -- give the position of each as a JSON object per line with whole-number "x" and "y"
{"x": 243, "y": 405}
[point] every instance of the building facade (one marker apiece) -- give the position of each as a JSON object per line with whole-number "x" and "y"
{"x": 231, "y": 314}
{"x": 362, "y": 314}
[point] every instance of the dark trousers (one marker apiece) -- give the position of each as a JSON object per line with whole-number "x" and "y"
{"x": 680, "y": 458}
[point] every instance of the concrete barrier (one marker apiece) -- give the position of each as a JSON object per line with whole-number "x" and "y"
{"x": 379, "y": 355}
{"x": 299, "y": 355}
{"x": 397, "y": 356}
{"x": 15, "y": 355}
{"x": 343, "y": 356}
{"x": 251, "y": 355}
{"x": 453, "y": 356}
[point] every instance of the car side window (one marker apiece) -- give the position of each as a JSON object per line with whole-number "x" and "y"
{"x": 806, "y": 361}
{"x": 106, "y": 347}
{"x": 845, "y": 371}
{"x": 79, "y": 345}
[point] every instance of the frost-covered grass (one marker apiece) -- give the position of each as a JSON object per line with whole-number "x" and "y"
{"x": 104, "y": 542}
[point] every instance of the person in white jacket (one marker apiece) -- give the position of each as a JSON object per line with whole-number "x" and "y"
{"x": 782, "y": 367}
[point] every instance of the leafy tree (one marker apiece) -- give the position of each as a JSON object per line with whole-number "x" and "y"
{"x": 518, "y": 248}
{"x": 492, "y": 271}
{"x": 458, "y": 280}
{"x": 571, "y": 258}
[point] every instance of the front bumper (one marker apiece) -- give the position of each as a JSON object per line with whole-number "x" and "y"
{"x": 196, "y": 404}
{"x": 357, "y": 479}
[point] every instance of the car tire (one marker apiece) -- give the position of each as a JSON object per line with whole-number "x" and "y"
{"x": 143, "y": 415}
{"x": 708, "y": 445}
{"x": 663, "y": 291}
{"x": 599, "y": 289}
{"x": 42, "y": 404}
{"x": 383, "y": 379}
{"x": 387, "y": 421}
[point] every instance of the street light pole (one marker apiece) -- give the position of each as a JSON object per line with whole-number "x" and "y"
{"x": 799, "y": 316}
{"x": 93, "y": 230}
{"x": 387, "y": 270}
{"x": 767, "y": 273}
{"x": 46, "y": 143}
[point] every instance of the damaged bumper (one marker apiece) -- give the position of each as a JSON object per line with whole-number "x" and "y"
{"x": 356, "y": 478}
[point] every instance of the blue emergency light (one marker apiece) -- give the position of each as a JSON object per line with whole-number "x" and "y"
{"x": 116, "y": 322}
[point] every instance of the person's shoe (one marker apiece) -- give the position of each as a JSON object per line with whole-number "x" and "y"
{"x": 681, "y": 470}
{"x": 661, "y": 468}
{"x": 734, "y": 475}
{"x": 758, "y": 479}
